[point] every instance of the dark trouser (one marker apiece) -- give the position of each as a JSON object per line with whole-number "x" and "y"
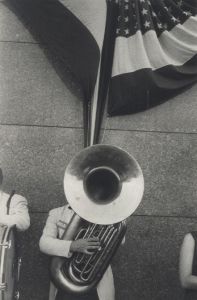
{"x": 61, "y": 295}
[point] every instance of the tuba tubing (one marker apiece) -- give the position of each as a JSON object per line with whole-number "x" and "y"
{"x": 59, "y": 278}
{"x": 62, "y": 279}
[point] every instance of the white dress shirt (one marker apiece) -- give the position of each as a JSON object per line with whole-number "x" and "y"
{"x": 18, "y": 212}
{"x": 51, "y": 244}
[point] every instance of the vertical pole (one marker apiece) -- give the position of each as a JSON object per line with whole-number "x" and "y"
{"x": 104, "y": 72}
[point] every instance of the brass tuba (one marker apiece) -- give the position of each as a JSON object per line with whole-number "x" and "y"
{"x": 104, "y": 185}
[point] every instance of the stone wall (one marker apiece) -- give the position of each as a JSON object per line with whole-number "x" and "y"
{"x": 40, "y": 131}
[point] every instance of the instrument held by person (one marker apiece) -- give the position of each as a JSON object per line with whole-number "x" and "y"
{"x": 9, "y": 264}
{"x": 104, "y": 185}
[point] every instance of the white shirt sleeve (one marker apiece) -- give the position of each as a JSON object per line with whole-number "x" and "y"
{"x": 18, "y": 215}
{"x": 49, "y": 243}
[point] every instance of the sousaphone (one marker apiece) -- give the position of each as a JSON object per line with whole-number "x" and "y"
{"x": 104, "y": 185}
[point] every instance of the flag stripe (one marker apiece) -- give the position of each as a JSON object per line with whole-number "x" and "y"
{"x": 143, "y": 89}
{"x": 155, "y": 56}
{"x": 148, "y": 51}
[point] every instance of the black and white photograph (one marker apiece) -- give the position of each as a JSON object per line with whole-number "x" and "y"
{"x": 98, "y": 149}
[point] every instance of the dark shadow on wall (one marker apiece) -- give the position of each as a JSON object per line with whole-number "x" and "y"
{"x": 68, "y": 45}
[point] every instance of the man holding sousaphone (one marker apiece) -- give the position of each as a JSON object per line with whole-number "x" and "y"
{"x": 103, "y": 185}
{"x": 52, "y": 244}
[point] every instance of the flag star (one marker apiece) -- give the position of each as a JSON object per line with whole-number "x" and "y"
{"x": 126, "y": 19}
{"x": 173, "y": 19}
{"x": 187, "y": 13}
{"x": 165, "y": 7}
{"x": 144, "y": 11}
{"x": 126, "y": 31}
{"x": 147, "y": 24}
{"x": 165, "y": 26}
{"x": 159, "y": 25}
{"x": 154, "y": 14}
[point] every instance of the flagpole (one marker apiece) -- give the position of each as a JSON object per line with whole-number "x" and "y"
{"x": 94, "y": 110}
{"x": 104, "y": 73}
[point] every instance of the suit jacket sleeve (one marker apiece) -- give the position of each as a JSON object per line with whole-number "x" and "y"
{"x": 49, "y": 242}
{"x": 18, "y": 215}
